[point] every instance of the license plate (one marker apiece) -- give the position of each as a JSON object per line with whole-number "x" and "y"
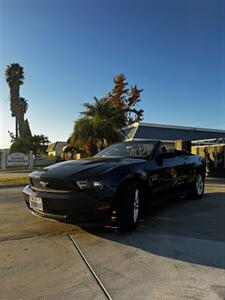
{"x": 36, "y": 203}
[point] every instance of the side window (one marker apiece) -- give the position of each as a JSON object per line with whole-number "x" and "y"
{"x": 163, "y": 149}
{"x": 165, "y": 153}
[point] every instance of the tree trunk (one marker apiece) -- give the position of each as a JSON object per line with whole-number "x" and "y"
{"x": 14, "y": 98}
{"x": 16, "y": 122}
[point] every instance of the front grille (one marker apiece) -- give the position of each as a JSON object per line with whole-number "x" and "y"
{"x": 56, "y": 211}
{"x": 46, "y": 184}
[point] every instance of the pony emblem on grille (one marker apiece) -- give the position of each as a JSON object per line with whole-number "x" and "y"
{"x": 43, "y": 184}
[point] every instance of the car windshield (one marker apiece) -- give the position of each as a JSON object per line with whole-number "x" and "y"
{"x": 128, "y": 149}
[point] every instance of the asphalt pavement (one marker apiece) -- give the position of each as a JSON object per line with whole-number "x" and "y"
{"x": 177, "y": 252}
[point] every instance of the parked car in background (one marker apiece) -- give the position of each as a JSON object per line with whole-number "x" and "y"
{"x": 119, "y": 181}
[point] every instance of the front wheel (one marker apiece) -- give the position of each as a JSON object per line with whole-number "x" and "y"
{"x": 128, "y": 207}
{"x": 198, "y": 188}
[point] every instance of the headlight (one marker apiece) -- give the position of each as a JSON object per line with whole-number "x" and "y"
{"x": 94, "y": 185}
{"x": 83, "y": 184}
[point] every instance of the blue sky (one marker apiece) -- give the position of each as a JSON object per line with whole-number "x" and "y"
{"x": 71, "y": 50}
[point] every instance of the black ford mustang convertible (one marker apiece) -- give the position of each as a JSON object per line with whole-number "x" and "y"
{"x": 117, "y": 183}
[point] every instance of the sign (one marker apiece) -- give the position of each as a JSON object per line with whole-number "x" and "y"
{"x": 17, "y": 159}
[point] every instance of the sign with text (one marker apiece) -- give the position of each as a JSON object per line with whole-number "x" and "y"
{"x": 17, "y": 159}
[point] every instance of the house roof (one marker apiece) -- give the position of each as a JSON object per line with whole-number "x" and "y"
{"x": 52, "y": 147}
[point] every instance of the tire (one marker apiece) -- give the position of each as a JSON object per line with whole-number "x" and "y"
{"x": 128, "y": 207}
{"x": 198, "y": 187}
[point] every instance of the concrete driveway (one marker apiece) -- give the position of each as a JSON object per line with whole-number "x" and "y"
{"x": 178, "y": 252}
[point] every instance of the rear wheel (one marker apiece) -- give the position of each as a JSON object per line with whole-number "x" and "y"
{"x": 128, "y": 206}
{"x": 198, "y": 188}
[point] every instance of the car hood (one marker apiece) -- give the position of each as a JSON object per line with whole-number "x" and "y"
{"x": 85, "y": 168}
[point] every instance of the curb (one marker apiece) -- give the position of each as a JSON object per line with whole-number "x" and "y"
{"x": 16, "y": 171}
{"x": 8, "y": 186}
{"x": 215, "y": 180}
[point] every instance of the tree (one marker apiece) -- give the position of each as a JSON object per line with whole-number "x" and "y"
{"x": 117, "y": 97}
{"x": 105, "y": 119}
{"x": 126, "y": 99}
{"x": 14, "y": 77}
{"x": 26, "y": 132}
{"x": 20, "y": 145}
{"x": 133, "y": 114}
{"x": 24, "y": 143}
{"x": 22, "y": 109}
{"x": 103, "y": 113}
{"x": 40, "y": 144}
{"x": 84, "y": 136}
{"x": 97, "y": 126}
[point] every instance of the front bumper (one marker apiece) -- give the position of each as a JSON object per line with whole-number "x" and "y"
{"x": 72, "y": 206}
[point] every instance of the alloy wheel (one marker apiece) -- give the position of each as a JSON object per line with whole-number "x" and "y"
{"x": 136, "y": 205}
{"x": 199, "y": 184}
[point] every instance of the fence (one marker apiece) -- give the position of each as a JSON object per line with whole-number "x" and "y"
{"x": 215, "y": 158}
{"x": 42, "y": 161}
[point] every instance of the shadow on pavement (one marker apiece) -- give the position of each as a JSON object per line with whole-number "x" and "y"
{"x": 191, "y": 231}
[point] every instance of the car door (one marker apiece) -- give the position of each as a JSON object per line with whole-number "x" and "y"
{"x": 182, "y": 173}
{"x": 163, "y": 174}
{"x": 185, "y": 169}
{"x": 188, "y": 170}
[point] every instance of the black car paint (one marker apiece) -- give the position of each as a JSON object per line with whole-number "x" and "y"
{"x": 159, "y": 178}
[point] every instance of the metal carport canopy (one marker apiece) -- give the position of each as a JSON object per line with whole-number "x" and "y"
{"x": 169, "y": 132}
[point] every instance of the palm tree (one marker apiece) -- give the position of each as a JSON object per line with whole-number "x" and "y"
{"x": 14, "y": 77}
{"x": 40, "y": 144}
{"x": 97, "y": 126}
{"x": 106, "y": 120}
{"x": 84, "y": 136}
{"x": 101, "y": 108}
